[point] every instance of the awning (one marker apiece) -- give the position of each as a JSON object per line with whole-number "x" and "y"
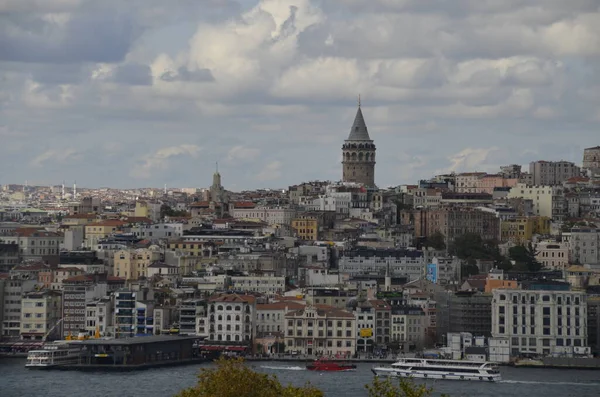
{"x": 236, "y": 348}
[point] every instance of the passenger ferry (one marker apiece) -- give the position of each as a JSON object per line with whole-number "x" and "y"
{"x": 53, "y": 354}
{"x": 440, "y": 369}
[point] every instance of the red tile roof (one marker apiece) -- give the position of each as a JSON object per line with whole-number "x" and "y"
{"x": 232, "y": 298}
{"x": 281, "y": 306}
{"x": 244, "y": 204}
{"x": 106, "y": 223}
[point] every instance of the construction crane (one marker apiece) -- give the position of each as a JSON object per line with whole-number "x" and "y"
{"x": 52, "y": 329}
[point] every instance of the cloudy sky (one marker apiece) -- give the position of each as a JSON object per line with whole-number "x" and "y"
{"x": 133, "y": 93}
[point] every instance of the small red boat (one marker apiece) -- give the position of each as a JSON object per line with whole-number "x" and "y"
{"x": 323, "y": 364}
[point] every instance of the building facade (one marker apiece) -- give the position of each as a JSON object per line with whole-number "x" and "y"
{"x": 40, "y": 313}
{"x": 320, "y": 330}
{"x": 231, "y": 318}
{"x": 552, "y": 173}
{"x": 540, "y": 322}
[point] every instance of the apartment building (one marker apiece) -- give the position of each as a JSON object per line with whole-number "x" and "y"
{"x": 158, "y": 231}
{"x": 520, "y": 229}
{"x": 78, "y": 291}
{"x": 133, "y": 264}
{"x": 321, "y": 330}
{"x": 35, "y": 244}
{"x": 467, "y": 182}
{"x": 546, "y": 200}
{"x": 552, "y": 255}
{"x": 408, "y": 326}
{"x": 192, "y": 317}
{"x": 12, "y": 295}
{"x": 99, "y": 316}
{"x": 40, "y": 313}
{"x": 269, "y": 215}
{"x": 270, "y": 317}
{"x": 232, "y": 318}
{"x": 584, "y": 246}
{"x": 463, "y": 311}
{"x": 552, "y": 173}
{"x": 456, "y": 221}
{"x": 265, "y": 285}
{"x": 9, "y": 256}
{"x": 540, "y": 322}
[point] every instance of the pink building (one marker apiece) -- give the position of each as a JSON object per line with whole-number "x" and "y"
{"x": 487, "y": 183}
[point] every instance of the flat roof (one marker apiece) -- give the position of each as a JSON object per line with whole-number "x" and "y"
{"x": 140, "y": 340}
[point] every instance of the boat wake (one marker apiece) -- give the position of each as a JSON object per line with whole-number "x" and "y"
{"x": 532, "y": 382}
{"x": 283, "y": 368}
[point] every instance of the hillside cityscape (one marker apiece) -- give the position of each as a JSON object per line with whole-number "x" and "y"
{"x": 484, "y": 266}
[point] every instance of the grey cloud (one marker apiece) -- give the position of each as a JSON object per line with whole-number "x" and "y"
{"x": 132, "y": 74}
{"x": 87, "y": 37}
{"x": 184, "y": 74}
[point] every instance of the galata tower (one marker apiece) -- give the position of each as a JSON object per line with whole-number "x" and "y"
{"x": 359, "y": 154}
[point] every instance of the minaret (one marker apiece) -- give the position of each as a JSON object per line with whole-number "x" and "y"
{"x": 359, "y": 153}
{"x": 62, "y": 191}
{"x": 75, "y": 189}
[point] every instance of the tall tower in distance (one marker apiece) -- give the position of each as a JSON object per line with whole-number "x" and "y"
{"x": 359, "y": 153}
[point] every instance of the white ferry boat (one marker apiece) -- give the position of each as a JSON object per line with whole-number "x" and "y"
{"x": 53, "y": 354}
{"x": 440, "y": 369}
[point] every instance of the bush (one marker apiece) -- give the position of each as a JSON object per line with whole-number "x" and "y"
{"x": 231, "y": 378}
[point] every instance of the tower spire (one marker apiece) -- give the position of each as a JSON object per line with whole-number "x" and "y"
{"x": 217, "y": 166}
{"x": 358, "y": 100}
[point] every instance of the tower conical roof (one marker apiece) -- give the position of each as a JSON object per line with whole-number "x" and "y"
{"x": 359, "y": 130}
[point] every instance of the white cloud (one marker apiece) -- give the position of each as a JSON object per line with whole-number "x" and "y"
{"x": 270, "y": 172}
{"x": 283, "y": 76}
{"x": 62, "y": 156}
{"x": 242, "y": 154}
{"x": 471, "y": 159}
{"x": 159, "y": 160}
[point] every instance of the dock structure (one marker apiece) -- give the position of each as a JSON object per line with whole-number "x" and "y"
{"x": 137, "y": 352}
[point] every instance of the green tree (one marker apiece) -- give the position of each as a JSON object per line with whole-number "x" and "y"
{"x": 524, "y": 258}
{"x": 404, "y": 388}
{"x": 436, "y": 241}
{"x": 472, "y": 246}
{"x": 231, "y": 378}
{"x": 166, "y": 210}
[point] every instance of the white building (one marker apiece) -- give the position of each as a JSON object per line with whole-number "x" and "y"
{"x": 270, "y": 215}
{"x": 11, "y": 296}
{"x": 40, "y": 313}
{"x": 231, "y": 318}
{"x": 99, "y": 316}
{"x": 327, "y": 331}
{"x": 266, "y": 285}
{"x": 547, "y": 200}
{"x": 169, "y": 272}
{"x": 270, "y": 317}
{"x": 553, "y": 255}
{"x": 584, "y": 246}
{"x": 540, "y": 322}
{"x": 158, "y": 231}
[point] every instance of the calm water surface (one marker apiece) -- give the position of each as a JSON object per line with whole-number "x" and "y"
{"x": 15, "y": 381}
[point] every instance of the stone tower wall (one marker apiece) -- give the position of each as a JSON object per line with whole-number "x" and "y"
{"x": 359, "y": 166}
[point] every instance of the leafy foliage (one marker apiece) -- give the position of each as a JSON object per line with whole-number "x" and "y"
{"x": 524, "y": 258}
{"x": 231, "y": 378}
{"x": 436, "y": 241}
{"x": 405, "y": 388}
{"x": 166, "y": 210}
{"x": 472, "y": 246}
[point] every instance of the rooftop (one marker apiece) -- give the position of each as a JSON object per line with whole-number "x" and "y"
{"x": 136, "y": 341}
